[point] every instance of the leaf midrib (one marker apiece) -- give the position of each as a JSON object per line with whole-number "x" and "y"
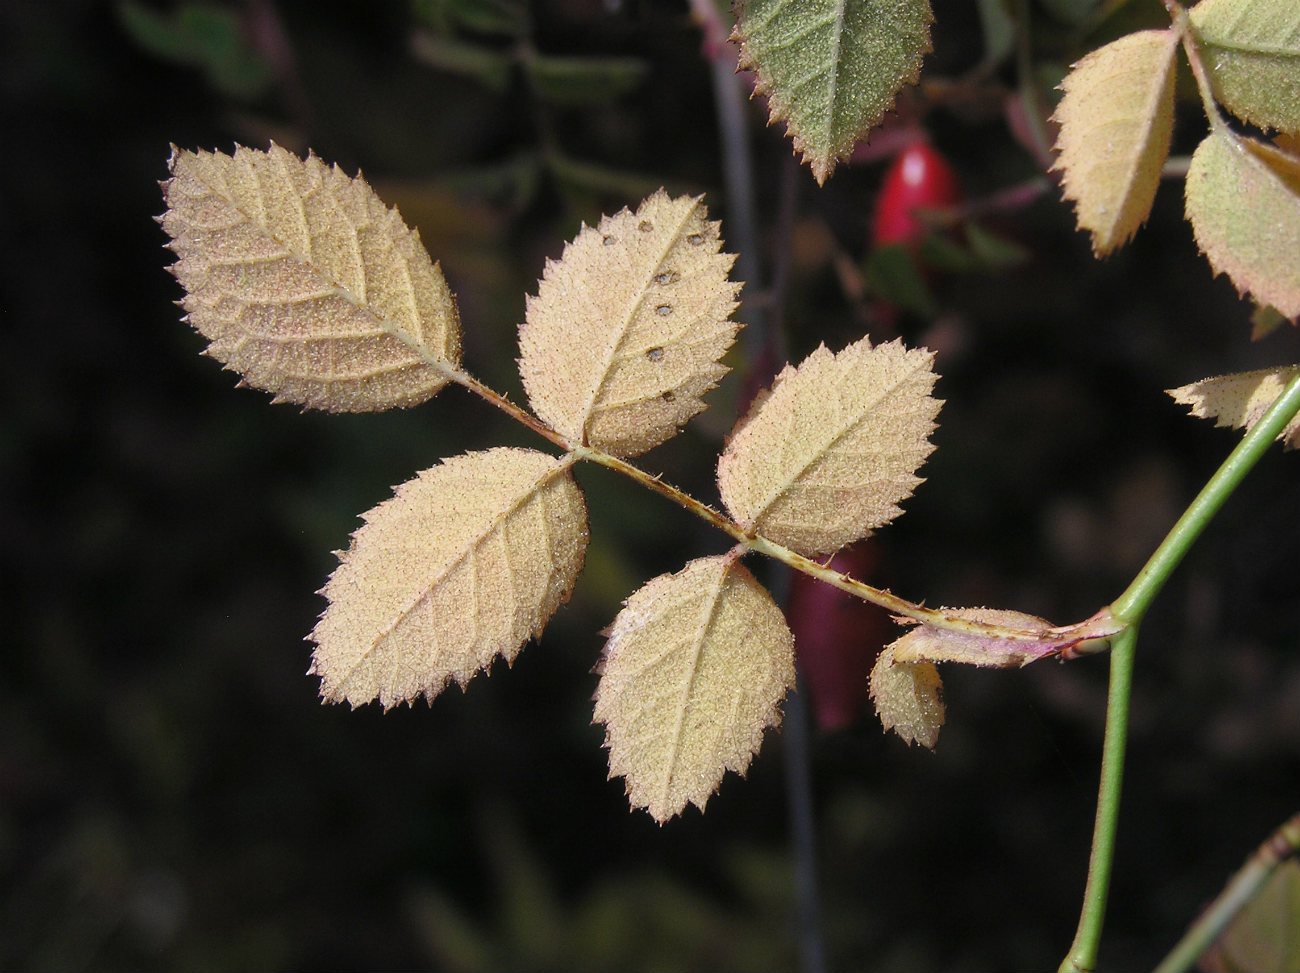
{"x": 688, "y": 689}
{"x": 830, "y": 444}
{"x": 619, "y": 334}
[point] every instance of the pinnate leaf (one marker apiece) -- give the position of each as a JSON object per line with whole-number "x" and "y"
{"x": 1116, "y": 118}
{"x": 831, "y": 69}
{"x": 1252, "y": 50}
{"x": 626, "y": 330}
{"x": 1239, "y": 400}
{"x": 828, "y": 454}
{"x": 465, "y": 562}
{"x": 694, "y": 671}
{"x": 1243, "y": 200}
{"x": 908, "y": 697}
{"x": 305, "y": 283}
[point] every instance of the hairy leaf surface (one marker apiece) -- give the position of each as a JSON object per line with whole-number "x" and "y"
{"x": 1243, "y": 200}
{"x": 831, "y": 69}
{"x": 829, "y": 453}
{"x": 465, "y": 562}
{"x": 1116, "y": 119}
{"x": 1239, "y": 400}
{"x": 305, "y": 283}
{"x": 627, "y": 328}
{"x": 908, "y": 697}
{"x": 1252, "y": 50}
{"x": 694, "y": 671}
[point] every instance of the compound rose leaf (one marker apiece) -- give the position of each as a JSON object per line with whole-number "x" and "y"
{"x": 694, "y": 672}
{"x": 625, "y": 334}
{"x": 1238, "y": 400}
{"x": 828, "y": 454}
{"x": 305, "y": 283}
{"x": 831, "y": 69}
{"x": 465, "y": 562}
{"x": 1116, "y": 118}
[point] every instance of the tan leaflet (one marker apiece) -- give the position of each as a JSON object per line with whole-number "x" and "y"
{"x": 627, "y": 328}
{"x": 1116, "y": 121}
{"x": 1243, "y": 200}
{"x": 694, "y": 671}
{"x": 466, "y": 562}
{"x": 829, "y": 453}
{"x": 908, "y": 698}
{"x": 305, "y": 283}
{"x": 1239, "y": 400}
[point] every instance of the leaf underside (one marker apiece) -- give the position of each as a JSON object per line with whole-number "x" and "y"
{"x": 929, "y": 644}
{"x": 694, "y": 671}
{"x": 1252, "y": 51}
{"x": 305, "y": 283}
{"x": 625, "y": 334}
{"x": 1116, "y": 120}
{"x": 1243, "y": 201}
{"x": 908, "y": 698}
{"x": 831, "y": 69}
{"x": 829, "y": 453}
{"x": 465, "y": 562}
{"x": 1240, "y": 400}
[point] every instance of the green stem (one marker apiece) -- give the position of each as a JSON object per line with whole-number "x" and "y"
{"x": 1245, "y": 885}
{"x": 1083, "y": 952}
{"x": 1130, "y": 607}
{"x": 1133, "y": 603}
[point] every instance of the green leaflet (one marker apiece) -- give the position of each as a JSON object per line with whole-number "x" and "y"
{"x": 832, "y": 68}
{"x": 1252, "y": 51}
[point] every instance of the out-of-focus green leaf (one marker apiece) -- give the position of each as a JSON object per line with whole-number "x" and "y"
{"x": 1266, "y": 933}
{"x": 892, "y": 275}
{"x": 491, "y": 68}
{"x": 1073, "y": 12}
{"x": 594, "y": 177}
{"x": 981, "y": 252}
{"x": 584, "y": 80}
{"x": 994, "y": 252}
{"x": 999, "y": 29}
{"x": 1252, "y": 51}
{"x": 482, "y": 16}
{"x": 515, "y": 179}
{"x": 201, "y": 35}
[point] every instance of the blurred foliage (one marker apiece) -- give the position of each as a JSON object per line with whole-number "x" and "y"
{"x": 172, "y": 796}
{"x": 1265, "y": 935}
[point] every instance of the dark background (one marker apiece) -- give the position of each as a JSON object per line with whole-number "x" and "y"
{"x": 173, "y": 796}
